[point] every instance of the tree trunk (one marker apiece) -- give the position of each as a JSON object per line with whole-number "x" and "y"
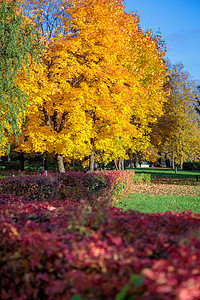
{"x": 181, "y": 161}
{"x": 46, "y": 164}
{"x": 22, "y": 161}
{"x": 73, "y": 164}
{"x": 135, "y": 163}
{"x": 102, "y": 166}
{"x": 60, "y": 163}
{"x": 173, "y": 162}
{"x": 136, "y": 159}
{"x": 131, "y": 163}
{"x": 92, "y": 156}
{"x": 121, "y": 164}
{"x": 160, "y": 159}
{"x": 116, "y": 166}
{"x": 167, "y": 161}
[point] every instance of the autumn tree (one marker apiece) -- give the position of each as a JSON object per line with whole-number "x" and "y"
{"x": 18, "y": 40}
{"x": 98, "y": 86}
{"x": 177, "y": 131}
{"x": 79, "y": 89}
{"x": 197, "y": 105}
{"x": 149, "y": 72}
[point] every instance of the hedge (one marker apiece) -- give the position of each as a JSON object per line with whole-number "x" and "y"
{"x": 55, "y": 250}
{"x": 194, "y": 166}
{"x": 102, "y": 187}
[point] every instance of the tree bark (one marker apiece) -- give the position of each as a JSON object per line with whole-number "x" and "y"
{"x": 135, "y": 163}
{"x": 116, "y": 166}
{"x": 160, "y": 159}
{"x": 60, "y": 163}
{"x": 92, "y": 156}
{"x": 181, "y": 162}
{"x": 131, "y": 163}
{"x": 46, "y": 165}
{"x": 102, "y": 166}
{"x": 121, "y": 164}
{"x": 173, "y": 162}
{"x": 22, "y": 161}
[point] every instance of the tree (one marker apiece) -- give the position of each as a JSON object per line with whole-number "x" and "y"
{"x": 197, "y": 106}
{"x": 98, "y": 72}
{"x": 46, "y": 15}
{"x": 80, "y": 98}
{"x": 177, "y": 131}
{"x": 150, "y": 74}
{"x": 18, "y": 40}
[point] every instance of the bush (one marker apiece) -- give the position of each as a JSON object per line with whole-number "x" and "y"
{"x": 105, "y": 187}
{"x": 34, "y": 187}
{"x": 10, "y": 165}
{"x": 193, "y": 166}
{"x": 55, "y": 250}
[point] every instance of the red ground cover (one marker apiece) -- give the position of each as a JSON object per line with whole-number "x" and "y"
{"x": 56, "y": 249}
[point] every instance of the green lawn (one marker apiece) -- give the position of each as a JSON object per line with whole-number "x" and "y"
{"x": 161, "y": 190}
{"x": 167, "y": 173}
{"x": 161, "y": 203}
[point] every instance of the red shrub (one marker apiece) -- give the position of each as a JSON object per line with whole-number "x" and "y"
{"x": 106, "y": 187}
{"x": 54, "y": 250}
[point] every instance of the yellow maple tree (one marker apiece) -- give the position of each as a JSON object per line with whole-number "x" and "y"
{"x": 150, "y": 73}
{"x": 97, "y": 75}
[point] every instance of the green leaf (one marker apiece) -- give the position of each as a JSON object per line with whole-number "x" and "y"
{"x": 122, "y": 294}
{"x": 137, "y": 280}
{"x": 77, "y": 297}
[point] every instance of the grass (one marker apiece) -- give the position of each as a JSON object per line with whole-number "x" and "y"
{"x": 168, "y": 173}
{"x": 161, "y": 203}
{"x": 161, "y": 190}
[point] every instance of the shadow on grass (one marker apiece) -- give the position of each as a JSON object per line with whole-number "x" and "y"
{"x": 168, "y": 176}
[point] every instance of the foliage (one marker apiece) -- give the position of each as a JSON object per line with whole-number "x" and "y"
{"x": 135, "y": 280}
{"x": 97, "y": 187}
{"x": 54, "y": 250}
{"x": 30, "y": 187}
{"x": 18, "y": 40}
{"x": 191, "y": 166}
{"x": 153, "y": 76}
{"x": 177, "y": 131}
{"x": 98, "y": 86}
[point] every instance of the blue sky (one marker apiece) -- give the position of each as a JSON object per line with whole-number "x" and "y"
{"x": 179, "y": 24}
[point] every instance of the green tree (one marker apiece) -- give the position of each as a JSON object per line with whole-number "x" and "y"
{"x": 18, "y": 42}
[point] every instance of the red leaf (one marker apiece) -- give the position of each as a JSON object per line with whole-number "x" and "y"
{"x": 117, "y": 240}
{"x": 56, "y": 286}
{"x": 42, "y": 276}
